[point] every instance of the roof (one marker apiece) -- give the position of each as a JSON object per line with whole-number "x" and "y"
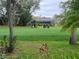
{"x": 43, "y": 19}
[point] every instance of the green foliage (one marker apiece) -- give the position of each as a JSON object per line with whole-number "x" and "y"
{"x": 74, "y": 5}
{"x": 26, "y": 9}
{"x": 25, "y": 17}
{"x": 70, "y": 15}
{"x": 70, "y": 20}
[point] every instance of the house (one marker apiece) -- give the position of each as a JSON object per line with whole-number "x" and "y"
{"x": 46, "y": 22}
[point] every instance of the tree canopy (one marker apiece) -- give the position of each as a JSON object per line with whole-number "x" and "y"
{"x": 23, "y": 9}
{"x": 71, "y": 14}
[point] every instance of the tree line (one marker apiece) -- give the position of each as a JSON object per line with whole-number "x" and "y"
{"x": 22, "y": 11}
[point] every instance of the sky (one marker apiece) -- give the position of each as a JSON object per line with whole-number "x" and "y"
{"x": 49, "y": 8}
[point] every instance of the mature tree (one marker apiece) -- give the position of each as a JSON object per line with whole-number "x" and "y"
{"x": 23, "y": 11}
{"x": 10, "y": 13}
{"x": 70, "y": 18}
{"x": 26, "y": 9}
{"x": 25, "y": 17}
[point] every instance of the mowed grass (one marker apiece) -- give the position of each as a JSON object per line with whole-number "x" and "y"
{"x": 28, "y": 41}
{"x": 37, "y": 34}
{"x": 24, "y": 33}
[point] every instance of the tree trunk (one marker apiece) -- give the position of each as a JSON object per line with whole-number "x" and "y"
{"x": 73, "y": 37}
{"x": 10, "y": 25}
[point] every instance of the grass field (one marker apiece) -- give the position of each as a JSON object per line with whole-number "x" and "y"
{"x": 24, "y": 33}
{"x": 57, "y": 50}
{"x": 30, "y": 39}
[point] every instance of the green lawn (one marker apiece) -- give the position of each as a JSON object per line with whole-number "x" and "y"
{"x": 24, "y": 33}
{"x": 56, "y": 50}
{"x": 33, "y": 34}
{"x": 30, "y": 39}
